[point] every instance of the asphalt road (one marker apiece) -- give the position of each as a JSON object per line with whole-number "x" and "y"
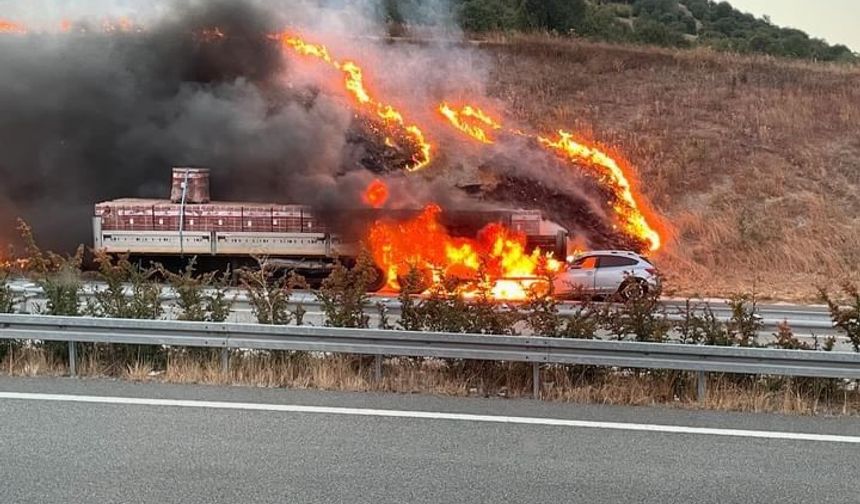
{"x": 182, "y": 444}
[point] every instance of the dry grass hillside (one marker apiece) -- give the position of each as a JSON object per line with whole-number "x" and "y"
{"x": 754, "y": 161}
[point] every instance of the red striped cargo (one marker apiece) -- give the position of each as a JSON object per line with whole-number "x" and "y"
{"x": 224, "y": 217}
{"x": 257, "y": 219}
{"x": 165, "y": 217}
{"x": 287, "y": 218}
{"x": 311, "y": 223}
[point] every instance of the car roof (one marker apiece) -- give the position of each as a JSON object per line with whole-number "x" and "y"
{"x": 622, "y": 253}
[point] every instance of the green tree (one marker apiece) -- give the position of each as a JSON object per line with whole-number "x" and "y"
{"x": 560, "y": 16}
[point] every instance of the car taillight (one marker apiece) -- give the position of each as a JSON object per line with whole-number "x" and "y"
{"x": 651, "y": 271}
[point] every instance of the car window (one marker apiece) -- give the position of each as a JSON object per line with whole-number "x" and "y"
{"x": 585, "y": 263}
{"x": 616, "y": 262}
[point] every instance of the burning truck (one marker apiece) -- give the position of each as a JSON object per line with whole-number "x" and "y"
{"x": 511, "y": 243}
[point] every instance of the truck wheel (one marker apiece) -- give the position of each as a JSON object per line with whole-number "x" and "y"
{"x": 378, "y": 282}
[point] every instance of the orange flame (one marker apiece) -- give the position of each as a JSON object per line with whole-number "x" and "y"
{"x": 7, "y": 26}
{"x": 458, "y": 118}
{"x": 354, "y": 83}
{"x": 609, "y": 172}
{"x": 376, "y": 194}
{"x": 497, "y": 258}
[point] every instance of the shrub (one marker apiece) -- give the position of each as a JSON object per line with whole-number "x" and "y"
{"x": 269, "y": 289}
{"x": 485, "y": 316}
{"x": 700, "y": 326}
{"x": 410, "y": 314}
{"x": 745, "y": 322}
{"x": 8, "y": 300}
{"x": 344, "y": 295}
{"x": 541, "y": 315}
{"x": 58, "y": 276}
{"x": 786, "y": 340}
{"x": 642, "y": 317}
{"x": 443, "y": 309}
{"x": 584, "y": 323}
{"x": 130, "y": 291}
{"x": 201, "y": 298}
{"x": 845, "y": 316}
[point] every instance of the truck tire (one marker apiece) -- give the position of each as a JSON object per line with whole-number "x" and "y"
{"x": 378, "y": 282}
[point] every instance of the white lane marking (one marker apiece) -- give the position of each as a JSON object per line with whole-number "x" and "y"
{"x": 432, "y": 415}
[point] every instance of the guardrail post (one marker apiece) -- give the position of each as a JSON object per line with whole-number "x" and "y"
{"x": 225, "y": 360}
{"x": 377, "y": 368}
{"x": 536, "y": 380}
{"x": 73, "y": 358}
{"x": 701, "y": 386}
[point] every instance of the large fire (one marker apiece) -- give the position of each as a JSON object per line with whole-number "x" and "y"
{"x": 471, "y": 121}
{"x": 497, "y": 258}
{"x": 610, "y": 173}
{"x": 355, "y": 85}
{"x": 376, "y": 194}
{"x": 600, "y": 164}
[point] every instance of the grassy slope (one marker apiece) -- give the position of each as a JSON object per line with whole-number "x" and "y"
{"x": 754, "y": 161}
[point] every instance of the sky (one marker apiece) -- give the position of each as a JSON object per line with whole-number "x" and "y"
{"x": 835, "y": 21}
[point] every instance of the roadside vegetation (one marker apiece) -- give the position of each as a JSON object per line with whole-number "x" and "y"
{"x": 126, "y": 290}
{"x": 667, "y": 23}
{"x": 752, "y": 162}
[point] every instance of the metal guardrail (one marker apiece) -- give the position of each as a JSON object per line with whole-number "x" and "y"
{"x": 378, "y": 342}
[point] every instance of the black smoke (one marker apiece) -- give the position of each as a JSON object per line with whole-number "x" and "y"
{"x": 87, "y": 116}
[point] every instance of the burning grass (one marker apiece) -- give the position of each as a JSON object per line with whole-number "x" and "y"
{"x": 575, "y": 384}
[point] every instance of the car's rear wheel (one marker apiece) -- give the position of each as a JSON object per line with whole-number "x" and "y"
{"x": 633, "y": 288}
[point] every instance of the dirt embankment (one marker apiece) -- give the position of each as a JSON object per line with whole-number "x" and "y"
{"x": 755, "y": 162}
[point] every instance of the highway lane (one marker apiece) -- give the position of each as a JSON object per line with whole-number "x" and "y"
{"x": 195, "y": 451}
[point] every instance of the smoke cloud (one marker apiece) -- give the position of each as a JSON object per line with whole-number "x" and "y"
{"x": 103, "y": 109}
{"x": 91, "y": 116}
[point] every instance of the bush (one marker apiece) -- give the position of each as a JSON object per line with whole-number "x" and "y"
{"x": 845, "y": 316}
{"x": 201, "y": 298}
{"x": 410, "y": 314}
{"x": 702, "y": 329}
{"x": 584, "y": 323}
{"x": 58, "y": 276}
{"x": 445, "y": 308}
{"x": 745, "y": 323}
{"x": 344, "y": 293}
{"x": 8, "y": 300}
{"x": 541, "y": 315}
{"x": 786, "y": 340}
{"x": 130, "y": 293}
{"x": 642, "y": 317}
{"x": 269, "y": 289}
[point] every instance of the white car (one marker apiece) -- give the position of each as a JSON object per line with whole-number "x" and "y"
{"x": 607, "y": 273}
